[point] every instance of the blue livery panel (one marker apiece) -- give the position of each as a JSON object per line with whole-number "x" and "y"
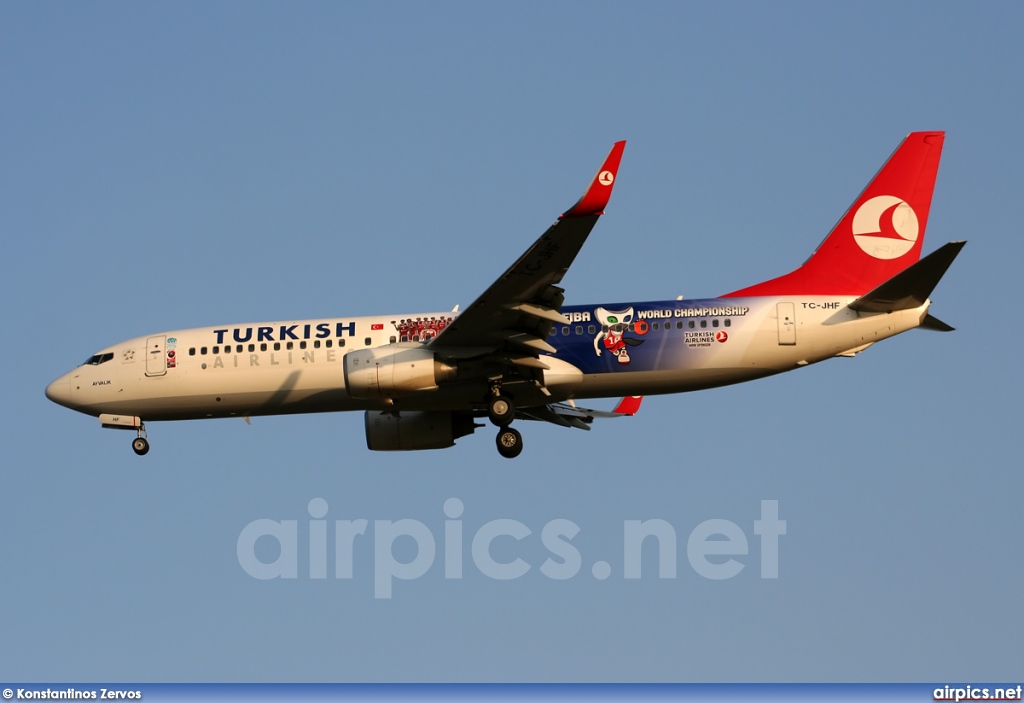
{"x": 647, "y": 336}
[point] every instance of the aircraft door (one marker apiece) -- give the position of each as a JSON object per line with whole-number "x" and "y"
{"x": 787, "y": 322}
{"x": 156, "y": 356}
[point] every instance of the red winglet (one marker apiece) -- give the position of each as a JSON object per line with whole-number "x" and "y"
{"x": 628, "y": 405}
{"x": 596, "y": 198}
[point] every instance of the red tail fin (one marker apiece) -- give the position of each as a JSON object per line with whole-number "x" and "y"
{"x": 879, "y": 236}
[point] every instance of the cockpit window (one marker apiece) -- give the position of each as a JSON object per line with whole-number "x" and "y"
{"x": 97, "y": 359}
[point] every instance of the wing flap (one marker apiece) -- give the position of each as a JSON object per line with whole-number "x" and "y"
{"x": 541, "y": 312}
{"x": 528, "y": 341}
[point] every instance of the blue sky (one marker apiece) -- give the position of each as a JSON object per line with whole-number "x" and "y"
{"x": 176, "y": 165}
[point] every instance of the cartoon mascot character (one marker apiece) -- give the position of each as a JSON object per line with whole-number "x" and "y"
{"x": 611, "y": 336}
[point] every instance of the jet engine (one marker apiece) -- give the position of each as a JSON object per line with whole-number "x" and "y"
{"x": 410, "y": 430}
{"x": 392, "y": 371}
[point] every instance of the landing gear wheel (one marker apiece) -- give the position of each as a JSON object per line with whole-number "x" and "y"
{"x": 140, "y": 445}
{"x": 501, "y": 410}
{"x": 510, "y": 442}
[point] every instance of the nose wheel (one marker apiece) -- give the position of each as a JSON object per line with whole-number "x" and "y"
{"x": 510, "y": 442}
{"x": 140, "y": 445}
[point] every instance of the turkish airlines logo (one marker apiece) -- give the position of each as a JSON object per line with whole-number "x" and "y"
{"x": 606, "y": 178}
{"x": 885, "y": 227}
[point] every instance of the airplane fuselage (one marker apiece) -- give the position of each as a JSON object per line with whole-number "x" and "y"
{"x": 298, "y": 366}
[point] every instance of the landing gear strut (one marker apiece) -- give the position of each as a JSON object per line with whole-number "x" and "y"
{"x": 501, "y": 410}
{"x": 140, "y": 445}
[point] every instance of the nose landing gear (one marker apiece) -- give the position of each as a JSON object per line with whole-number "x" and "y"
{"x": 140, "y": 445}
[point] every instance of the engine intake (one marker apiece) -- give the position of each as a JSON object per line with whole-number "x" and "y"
{"x": 390, "y": 372}
{"x": 411, "y": 430}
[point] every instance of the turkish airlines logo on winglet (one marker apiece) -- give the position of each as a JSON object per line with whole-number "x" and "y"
{"x": 885, "y": 227}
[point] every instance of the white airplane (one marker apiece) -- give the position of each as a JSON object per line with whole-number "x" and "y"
{"x": 424, "y": 379}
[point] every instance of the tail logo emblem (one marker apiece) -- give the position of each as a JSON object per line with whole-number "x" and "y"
{"x": 885, "y": 227}
{"x": 606, "y": 178}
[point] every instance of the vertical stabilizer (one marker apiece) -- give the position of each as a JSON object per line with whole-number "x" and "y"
{"x": 879, "y": 236}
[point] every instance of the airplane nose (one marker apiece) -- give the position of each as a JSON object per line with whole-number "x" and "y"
{"x": 60, "y": 391}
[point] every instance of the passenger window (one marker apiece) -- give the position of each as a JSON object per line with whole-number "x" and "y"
{"x": 238, "y": 349}
{"x": 690, "y": 324}
{"x": 714, "y": 323}
{"x": 263, "y": 347}
{"x": 277, "y": 346}
{"x": 579, "y": 329}
{"x": 290, "y": 345}
{"x": 368, "y": 341}
{"x": 654, "y": 326}
{"x": 703, "y": 323}
{"x": 302, "y": 344}
{"x": 393, "y": 339}
{"x": 252, "y": 348}
{"x": 216, "y": 350}
{"x": 191, "y": 351}
{"x": 728, "y": 322}
{"x": 202, "y": 350}
{"x": 327, "y": 344}
{"x": 679, "y": 325}
{"x": 565, "y": 330}
{"x": 316, "y": 344}
{"x": 341, "y": 342}
{"x": 591, "y": 329}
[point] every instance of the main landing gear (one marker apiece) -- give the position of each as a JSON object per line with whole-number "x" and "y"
{"x": 501, "y": 411}
{"x": 510, "y": 442}
{"x": 140, "y": 445}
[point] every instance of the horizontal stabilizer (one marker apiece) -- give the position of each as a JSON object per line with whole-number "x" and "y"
{"x": 935, "y": 324}
{"x": 911, "y": 287}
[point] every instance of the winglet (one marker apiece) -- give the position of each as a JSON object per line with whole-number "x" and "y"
{"x": 628, "y": 405}
{"x": 595, "y": 199}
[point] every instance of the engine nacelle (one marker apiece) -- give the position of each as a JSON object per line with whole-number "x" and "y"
{"x": 411, "y": 430}
{"x": 393, "y": 371}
